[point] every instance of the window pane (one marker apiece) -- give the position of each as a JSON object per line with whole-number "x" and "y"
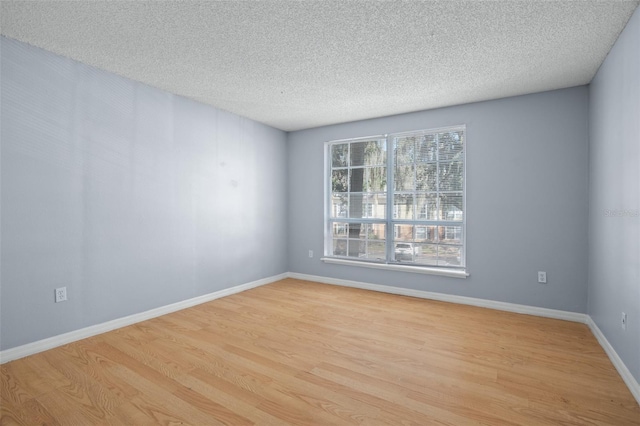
{"x": 450, "y": 234}
{"x": 356, "y": 206}
{"x": 404, "y": 178}
{"x": 367, "y": 205}
{"x": 426, "y": 177}
{"x": 357, "y": 153}
{"x": 339, "y": 247}
{"x": 450, "y": 146}
{"x": 403, "y": 206}
{"x": 369, "y": 231}
{"x": 368, "y": 153}
{"x": 451, "y": 207}
{"x": 427, "y": 254}
{"x": 451, "y": 176}
{"x": 404, "y": 150}
{"x": 426, "y": 234}
{"x": 375, "y": 206}
{"x": 375, "y": 179}
{"x": 359, "y": 240}
{"x": 339, "y": 205}
{"x": 340, "y": 155}
{"x": 405, "y": 252}
{"x": 376, "y": 250}
{"x": 427, "y": 206}
{"x": 340, "y": 229}
{"x": 426, "y": 149}
{"x": 357, "y": 248}
{"x": 449, "y": 256}
{"x": 340, "y": 180}
{"x": 356, "y": 179}
{"x": 373, "y": 231}
{"x": 403, "y": 232}
{"x": 375, "y": 153}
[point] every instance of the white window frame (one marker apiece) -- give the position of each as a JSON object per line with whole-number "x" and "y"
{"x": 392, "y": 213}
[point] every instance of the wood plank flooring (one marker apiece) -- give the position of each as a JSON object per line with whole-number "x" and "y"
{"x": 302, "y": 353}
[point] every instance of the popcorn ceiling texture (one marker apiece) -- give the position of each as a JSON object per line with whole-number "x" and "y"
{"x": 296, "y": 65}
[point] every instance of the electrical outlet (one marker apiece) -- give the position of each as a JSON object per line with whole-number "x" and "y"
{"x": 542, "y": 277}
{"x": 61, "y": 294}
{"x": 623, "y": 323}
{"x": 310, "y": 253}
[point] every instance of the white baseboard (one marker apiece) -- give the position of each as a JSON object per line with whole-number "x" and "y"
{"x": 72, "y": 336}
{"x": 63, "y": 339}
{"x": 626, "y": 375}
{"x": 463, "y": 300}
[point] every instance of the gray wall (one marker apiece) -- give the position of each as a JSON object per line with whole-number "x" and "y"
{"x": 614, "y": 192}
{"x": 527, "y": 164}
{"x": 130, "y": 197}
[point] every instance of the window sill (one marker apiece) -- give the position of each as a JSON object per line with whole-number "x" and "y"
{"x": 454, "y": 273}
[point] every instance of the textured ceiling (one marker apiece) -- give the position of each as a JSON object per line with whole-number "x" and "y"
{"x": 296, "y": 65}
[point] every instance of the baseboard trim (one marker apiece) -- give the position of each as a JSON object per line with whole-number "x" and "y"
{"x": 72, "y": 336}
{"x": 463, "y": 300}
{"x": 624, "y": 372}
{"x": 617, "y": 362}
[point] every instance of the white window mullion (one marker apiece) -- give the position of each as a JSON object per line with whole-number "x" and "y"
{"x": 390, "y": 192}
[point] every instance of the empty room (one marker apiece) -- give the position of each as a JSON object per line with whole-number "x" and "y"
{"x": 320, "y": 212}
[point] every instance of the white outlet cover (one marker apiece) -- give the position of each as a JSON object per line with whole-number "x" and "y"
{"x": 61, "y": 294}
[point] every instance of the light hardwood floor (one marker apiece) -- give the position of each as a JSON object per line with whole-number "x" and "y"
{"x": 303, "y": 353}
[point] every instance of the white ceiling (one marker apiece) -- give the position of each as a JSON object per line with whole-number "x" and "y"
{"x": 296, "y": 65}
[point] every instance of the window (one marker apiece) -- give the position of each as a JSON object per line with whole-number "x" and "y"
{"x": 398, "y": 199}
